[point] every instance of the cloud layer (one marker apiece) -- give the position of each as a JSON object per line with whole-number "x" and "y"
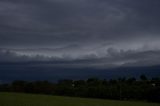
{"x": 95, "y": 33}
{"x": 112, "y": 59}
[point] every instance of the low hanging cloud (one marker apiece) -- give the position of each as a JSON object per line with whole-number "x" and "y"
{"x": 113, "y": 58}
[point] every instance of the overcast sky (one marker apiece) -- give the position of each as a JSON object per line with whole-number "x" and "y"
{"x": 81, "y": 33}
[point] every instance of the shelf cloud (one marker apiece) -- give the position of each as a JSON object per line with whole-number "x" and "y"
{"x": 83, "y": 33}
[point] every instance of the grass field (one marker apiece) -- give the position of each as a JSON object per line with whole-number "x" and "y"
{"x": 15, "y": 99}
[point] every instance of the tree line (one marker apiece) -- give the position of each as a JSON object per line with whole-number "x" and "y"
{"x": 117, "y": 89}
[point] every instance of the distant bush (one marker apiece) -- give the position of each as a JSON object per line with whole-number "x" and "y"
{"x": 121, "y": 89}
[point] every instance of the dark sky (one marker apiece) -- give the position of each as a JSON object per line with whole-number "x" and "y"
{"x": 81, "y": 33}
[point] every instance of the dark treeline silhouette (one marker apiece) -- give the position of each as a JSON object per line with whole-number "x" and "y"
{"x": 120, "y": 89}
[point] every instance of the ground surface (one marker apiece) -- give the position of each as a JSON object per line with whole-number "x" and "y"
{"x": 15, "y": 99}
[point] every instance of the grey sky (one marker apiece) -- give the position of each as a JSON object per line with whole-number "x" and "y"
{"x": 81, "y": 30}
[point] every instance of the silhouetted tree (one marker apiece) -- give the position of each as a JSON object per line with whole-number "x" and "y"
{"x": 122, "y": 88}
{"x": 143, "y": 77}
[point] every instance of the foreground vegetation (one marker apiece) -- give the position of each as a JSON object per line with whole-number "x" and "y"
{"x": 120, "y": 89}
{"x": 16, "y": 99}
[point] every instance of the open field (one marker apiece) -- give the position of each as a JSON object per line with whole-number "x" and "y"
{"x": 15, "y": 99}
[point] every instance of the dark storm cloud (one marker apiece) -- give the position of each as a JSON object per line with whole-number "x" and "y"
{"x": 113, "y": 58}
{"x": 83, "y": 29}
{"x": 65, "y": 21}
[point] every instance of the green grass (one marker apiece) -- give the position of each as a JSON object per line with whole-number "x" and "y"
{"x": 15, "y": 99}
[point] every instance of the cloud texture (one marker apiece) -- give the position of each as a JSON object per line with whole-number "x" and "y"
{"x": 83, "y": 33}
